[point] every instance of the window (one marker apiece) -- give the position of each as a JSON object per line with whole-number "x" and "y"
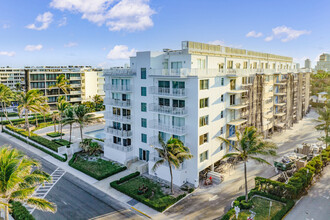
{"x": 221, "y": 130}
{"x": 143, "y": 91}
{"x": 204, "y": 120}
{"x": 143, "y": 154}
{"x": 222, "y": 81}
{"x": 274, "y": 65}
{"x": 178, "y": 85}
{"x": 164, "y": 84}
{"x": 204, "y": 156}
{"x": 116, "y": 140}
{"x": 176, "y": 65}
{"x": 164, "y": 102}
{"x": 143, "y": 73}
{"x": 203, "y": 103}
{"x": 126, "y": 112}
{"x": 116, "y": 125}
{"x": 255, "y": 64}
{"x": 143, "y": 107}
{"x": 222, "y": 98}
{"x": 143, "y": 138}
{"x": 178, "y": 103}
{"x": 232, "y": 99}
{"x": 116, "y": 111}
{"x": 204, "y": 84}
{"x": 222, "y": 146}
{"x": 143, "y": 122}
{"x": 221, "y": 114}
{"x": 244, "y": 80}
{"x": 230, "y": 64}
{"x": 203, "y": 138}
{"x": 245, "y": 65}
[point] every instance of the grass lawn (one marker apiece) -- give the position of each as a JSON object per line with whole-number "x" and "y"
{"x": 99, "y": 169}
{"x": 62, "y": 142}
{"x": 157, "y": 200}
{"x": 54, "y": 134}
{"x": 261, "y": 208}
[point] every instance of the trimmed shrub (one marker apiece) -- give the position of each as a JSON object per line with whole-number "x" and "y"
{"x": 229, "y": 214}
{"x": 128, "y": 177}
{"x": 54, "y": 134}
{"x": 62, "y": 142}
{"x": 19, "y": 212}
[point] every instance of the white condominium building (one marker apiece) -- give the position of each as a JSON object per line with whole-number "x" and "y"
{"x": 198, "y": 94}
{"x": 11, "y": 76}
{"x": 323, "y": 63}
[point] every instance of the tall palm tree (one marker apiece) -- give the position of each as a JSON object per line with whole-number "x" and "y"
{"x": 5, "y": 97}
{"x": 29, "y": 101}
{"x": 324, "y": 122}
{"x": 69, "y": 118}
{"x": 62, "y": 83}
{"x": 55, "y": 117}
{"x": 173, "y": 153}
{"x": 19, "y": 179}
{"x": 44, "y": 109}
{"x": 249, "y": 145}
{"x": 61, "y": 106}
{"x": 82, "y": 117}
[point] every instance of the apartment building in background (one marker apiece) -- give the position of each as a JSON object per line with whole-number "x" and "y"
{"x": 42, "y": 77}
{"x": 323, "y": 63}
{"x": 198, "y": 94}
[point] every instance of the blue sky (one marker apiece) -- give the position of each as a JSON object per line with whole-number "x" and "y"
{"x": 105, "y": 32}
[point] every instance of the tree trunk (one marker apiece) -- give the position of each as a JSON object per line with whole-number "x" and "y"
{"x": 36, "y": 119}
{"x": 6, "y": 213}
{"x": 70, "y": 132}
{"x": 6, "y": 114}
{"x": 61, "y": 128}
{"x": 172, "y": 191}
{"x": 81, "y": 133}
{"x": 54, "y": 125}
{"x": 27, "y": 121}
{"x": 246, "y": 186}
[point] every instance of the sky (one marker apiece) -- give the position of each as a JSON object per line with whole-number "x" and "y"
{"x": 104, "y": 33}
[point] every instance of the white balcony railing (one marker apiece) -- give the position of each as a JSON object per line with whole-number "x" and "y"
{"x": 75, "y": 85}
{"x": 75, "y": 92}
{"x": 109, "y": 115}
{"x": 118, "y": 146}
{"x": 173, "y": 129}
{"x": 75, "y": 78}
{"x": 167, "y": 109}
{"x": 168, "y": 91}
{"x": 125, "y": 72}
{"x": 117, "y": 88}
{"x": 116, "y": 102}
{"x": 119, "y": 132}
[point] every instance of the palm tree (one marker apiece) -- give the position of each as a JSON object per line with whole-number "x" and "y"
{"x": 324, "y": 122}
{"x": 44, "y": 109}
{"x": 82, "y": 117}
{"x": 29, "y": 101}
{"x": 19, "y": 179}
{"x": 61, "y": 106}
{"x": 62, "y": 83}
{"x": 173, "y": 153}
{"x": 69, "y": 118}
{"x": 249, "y": 145}
{"x": 97, "y": 99}
{"x": 5, "y": 97}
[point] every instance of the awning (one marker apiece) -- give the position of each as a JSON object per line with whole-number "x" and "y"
{"x": 237, "y": 122}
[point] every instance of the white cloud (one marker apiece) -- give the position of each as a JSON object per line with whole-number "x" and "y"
{"x": 254, "y": 34}
{"x": 120, "y": 52}
{"x": 7, "y": 53}
{"x": 5, "y": 26}
{"x": 286, "y": 34}
{"x": 71, "y": 44}
{"x": 63, "y": 22}
{"x": 33, "y": 47}
{"x": 129, "y": 15}
{"x": 45, "y": 19}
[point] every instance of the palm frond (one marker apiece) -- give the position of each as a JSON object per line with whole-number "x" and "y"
{"x": 41, "y": 204}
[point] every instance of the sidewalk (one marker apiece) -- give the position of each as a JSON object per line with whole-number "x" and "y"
{"x": 103, "y": 185}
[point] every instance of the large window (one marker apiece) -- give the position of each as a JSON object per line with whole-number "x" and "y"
{"x": 176, "y": 65}
{"x": 201, "y": 64}
{"x": 245, "y": 65}
{"x": 204, "y": 120}
{"x": 222, "y": 81}
{"x": 178, "y": 103}
{"x": 230, "y": 64}
{"x": 178, "y": 85}
{"x": 143, "y": 73}
{"x": 164, "y": 84}
{"x": 204, "y": 156}
{"x": 116, "y": 111}
{"x": 203, "y": 103}
{"x": 143, "y": 122}
{"x": 204, "y": 84}
{"x": 143, "y": 91}
{"x": 143, "y": 107}
{"x": 203, "y": 138}
{"x": 164, "y": 102}
{"x": 143, "y": 138}
{"x": 232, "y": 100}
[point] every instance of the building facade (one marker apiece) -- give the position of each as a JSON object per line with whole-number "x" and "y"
{"x": 198, "y": 94}
{"x": 308, "y": 64}
{"x": 323, "y": 63}
{"x": 12, "y": 76}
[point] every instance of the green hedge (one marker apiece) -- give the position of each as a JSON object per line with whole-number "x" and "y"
{"x": 40, "y": 148}
{"x": 107, "y": 168}
{"x": 19, "y": 212}
{"x": 32, "y": 120}
{"x": 229, "y": 214}
{"x": 54, "y": 134}
{"x": 9, "y": 114}
{"x": 62, "y": 142}
{"x": 167, "y": 200}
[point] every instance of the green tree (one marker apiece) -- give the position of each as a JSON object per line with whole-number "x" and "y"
{"x": 61, "y": 105}
{"x": 249, "y": 145}
{"x": 69, "y": 118}
{"x": 82, "y": 117}
{"x": 19, "y": 179}
{"x": 324, "y": 122}
{"x": 62, "y": 83}
{"x": 173, "y": 153}
{"x": 5, "y": 97}
{"x": 29, "y": 101}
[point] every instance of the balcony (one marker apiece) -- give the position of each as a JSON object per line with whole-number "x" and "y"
{"x": 109, "y": 115}
{"x": 167, "y": 110}
{"x": 172, "y": 129}
{"x": 117, "y": 102}
{"x": 237, "y": 106}
{"x": 280, "y": 104}
{"x": 237, "y": 122}
{"x": 119, "y": 132}
{"x": 119, "y": 146}
{"x": 119, "y": 72}
{"x": 75, "y": 92}
{"x": 75, "y": 85}
{"x": 177, "y": 92}
{"x": 75, "y": 78}
{"x": 75, "y": 99}
{"x": 279, "y": 93}
{"x": 280, "y": 114}
{"x": 117, "y": 88}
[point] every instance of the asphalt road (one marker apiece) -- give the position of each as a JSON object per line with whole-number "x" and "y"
{"x": 315, "y": 205}
{"x": 74, "y": 198}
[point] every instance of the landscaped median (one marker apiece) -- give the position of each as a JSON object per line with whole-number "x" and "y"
{"x": 35, "y": 140}
{"x": 98, "y": 169}
{"x": 145, "y": 191}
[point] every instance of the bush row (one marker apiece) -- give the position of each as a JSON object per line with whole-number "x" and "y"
{"x": 9, "y": 114}
{"x": 54, "y": 134}
{"x": 32, "y": 120}
{"x": 116, "y": 185}
{"x": 19, "y": 212}
{"x": 38, "y": 147}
